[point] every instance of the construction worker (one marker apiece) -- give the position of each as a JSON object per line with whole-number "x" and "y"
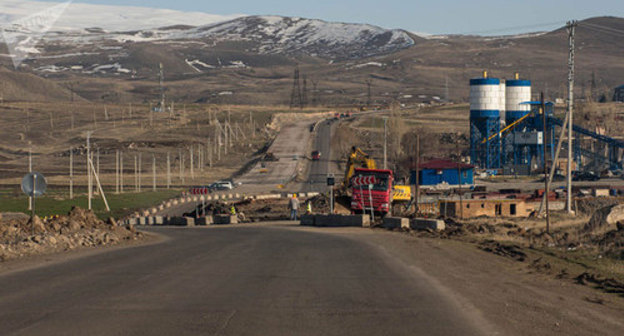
{"x": 309, "y": 208}
{"x": 233, "y": 210}
{"x": 293, "y": 205}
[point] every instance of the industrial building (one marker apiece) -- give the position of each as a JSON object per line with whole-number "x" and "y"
{"x": 618, "y": 94}
{"x": 436, "y": 172}
{"x": 511, "y": 131}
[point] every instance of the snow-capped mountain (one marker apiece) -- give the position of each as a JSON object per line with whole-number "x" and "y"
{"x": 289, "y": 35}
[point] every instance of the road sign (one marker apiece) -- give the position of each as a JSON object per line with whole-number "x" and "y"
{"x": 331, "y": 180}
{"x": 364, "y": 180}
{"x": 199, "y": 190}
{"x": 34, "y": 184}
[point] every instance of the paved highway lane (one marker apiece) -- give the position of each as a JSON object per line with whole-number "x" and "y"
{"x": 318, "y": 170}
{"x": 252, "y": 280}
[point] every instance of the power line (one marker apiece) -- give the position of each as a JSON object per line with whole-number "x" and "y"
{"x": 506, "y": 29}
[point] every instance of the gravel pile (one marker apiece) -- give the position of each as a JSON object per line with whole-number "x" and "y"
{"x": 21, "y": 236}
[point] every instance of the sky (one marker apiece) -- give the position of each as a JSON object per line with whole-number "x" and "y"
{"x": 483, "y": 17}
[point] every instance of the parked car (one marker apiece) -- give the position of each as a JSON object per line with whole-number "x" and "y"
{"x": 585, "y": 176}
{"x": 221, "y": 185}
{"x": 316, "y": 155}
{"x": 556, "y": 178}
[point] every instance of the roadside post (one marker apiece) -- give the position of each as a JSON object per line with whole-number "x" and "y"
{"x": 34, "y": 184}
{"x": 330, "y": 182}
{"x": 370, "y": 198}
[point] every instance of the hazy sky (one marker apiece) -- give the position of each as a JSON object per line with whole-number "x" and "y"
{"x": 486, "y": 17}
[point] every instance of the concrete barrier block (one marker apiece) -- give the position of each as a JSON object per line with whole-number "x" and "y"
{"x": 342, "y": 220}
{"x": 427, "y": 224}
{"x": 158, "y": 220}
{"x": 174, "y": 202}
{"x": 396, "y": 223}
{"x": 132, "y": 221}
{"x": 145, "y": 213}
{"x": 225, "y": 219}
{"x": 208, "y": 198}
{"x": 230, "y": 196}
{"x": 142, "y": 221}
{"x": 161, "y": 207}
{"x": 312, "y": 194}
{"x": 307, "y": 220}
{"x": 182, "y": 221}
{"x": 154, "y": 211}
{"x": 195, "y": 199}
{"x": 237, "y": 196}
{"x": 202, "y": 221}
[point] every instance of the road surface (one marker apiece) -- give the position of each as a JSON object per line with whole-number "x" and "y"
{"x": 318, "y": 170}
{"x": 253, "y": 280}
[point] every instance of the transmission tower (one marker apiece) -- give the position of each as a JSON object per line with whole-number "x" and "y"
{"x": 315, "y": 95}
{"x": 295, "y": 97}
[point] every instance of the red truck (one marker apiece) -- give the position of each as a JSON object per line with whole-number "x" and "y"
{"x": 381, "y": 193}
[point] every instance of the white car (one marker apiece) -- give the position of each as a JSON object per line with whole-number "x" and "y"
{"x": 223, "y": 185}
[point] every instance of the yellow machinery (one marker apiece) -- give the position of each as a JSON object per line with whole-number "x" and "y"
{"x": 357, "y": 159}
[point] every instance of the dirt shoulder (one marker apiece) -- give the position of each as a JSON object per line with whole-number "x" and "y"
{"x": 511, "y": 297}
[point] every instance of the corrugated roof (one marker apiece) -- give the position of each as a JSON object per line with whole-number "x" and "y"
{"x": 443, "y": 164}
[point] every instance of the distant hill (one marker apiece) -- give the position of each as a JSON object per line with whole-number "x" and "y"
{"x": 250, "y": 60}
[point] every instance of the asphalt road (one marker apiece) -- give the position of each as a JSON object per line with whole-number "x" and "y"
{"x": 318, "y": 171}
{"x": 253, "y": 280}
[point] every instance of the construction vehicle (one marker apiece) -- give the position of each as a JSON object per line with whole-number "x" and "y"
{"x": 371, "y": 185}
{"x": 357, "y": 158}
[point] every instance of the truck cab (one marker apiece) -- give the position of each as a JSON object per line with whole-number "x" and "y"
{"x": 379, "y": 191}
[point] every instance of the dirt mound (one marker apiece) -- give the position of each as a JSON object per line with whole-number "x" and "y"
{"x": 20, "y": 236}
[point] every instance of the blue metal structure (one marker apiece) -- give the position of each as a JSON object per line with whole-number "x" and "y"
{"x": 484, "y": 122}
{"x": 529, "y": 153}
{"x": 614, "y": 147}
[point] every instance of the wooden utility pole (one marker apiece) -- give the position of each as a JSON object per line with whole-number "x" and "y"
{"x": 417, "y": 172}
{"x": 153, "y": 172}
{"x": 209, "y": 145}
{"x": 30, "y": 200}
{"x": 168, "y": 170}
{"x": 117, "y": 172}
{"x": 140, "y": 171}
{"x": 121, "y": 172}
{"x": 136, "y": 174}
{"x": 191, "y": 162}
{"x": 71, "y": 173}
{"x": 89, "y": 180}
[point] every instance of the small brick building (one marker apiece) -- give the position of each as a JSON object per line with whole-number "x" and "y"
{"x": 485, "y": 207}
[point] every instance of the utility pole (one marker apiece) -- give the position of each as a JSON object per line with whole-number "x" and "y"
{"x": 153, "y": 172}
{"x": 71, "y": 173}
{"x": 121, "y": 172}
{"x": 117, "y": 172}
{"x": 168, "y": 170}
{"x": 546, "y": 180}
{"x": 136, "y": 175}
{"x": 89, "y": 178}
{"x": 571, "y": 34}
{"x": 385, "y": 149}
{"x": 30, "y": 200}
{"x": 140, "y": 172}
{"x": 191, "y": 162}
{"x": 417, "y": 198}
